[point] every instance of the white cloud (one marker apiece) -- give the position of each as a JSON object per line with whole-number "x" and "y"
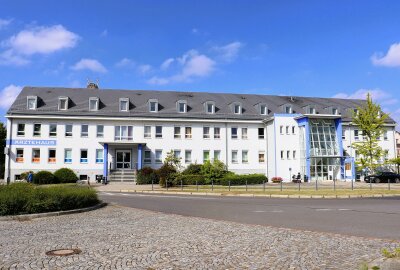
{"x": 89, "y": 64}
{"x": 37, "y": 40}
{"x": 144, "y": 69}
{"x": 376, "y": 94}
{"x": 229, "y": 52}
{"x": 4, "y": 23}
{"x": 125, "y": 62}
{"x": 165, "y": 65}
{"x": 391, "y": 59}
{"x": 8, "y": 95}
{"x": 192, "y": 65}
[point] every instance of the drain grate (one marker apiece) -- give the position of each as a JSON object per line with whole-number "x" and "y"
{"x": 63, "y": 252}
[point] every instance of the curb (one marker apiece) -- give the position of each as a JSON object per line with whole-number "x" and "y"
{"x": 286, "y": 196}
{"x": 51, "y": 214}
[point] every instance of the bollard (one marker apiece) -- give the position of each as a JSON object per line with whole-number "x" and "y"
{"x": 334, "y": 184}
{"x": 388, "y": 184}
{"x": 181, "y": 184}
{"x": 166, "y": 183}
{"x": 229, "y": 185}
{"x": 246, "y": 184}
{"x": 352, "y": 184}
{"x": 316, "y": 184}
{"x": 299, "y": 184}
{"x": 370, "y": 184}
{"x": 212, "y": 185}
{"x": 152, "y": 184}
{"x": 264, "y": 185}
{"x": 281, "y": 184}
{"x": 197, "y": 186}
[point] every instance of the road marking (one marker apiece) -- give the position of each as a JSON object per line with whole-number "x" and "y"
{"x": 344, "y": 209}
{"x": 109, "y": 194}
{"x": 272, "y": 211}
{"x": 160, "y": 196}
{"x": 324, "y": 209}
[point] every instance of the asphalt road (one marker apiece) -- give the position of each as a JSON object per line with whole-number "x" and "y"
{"x": 373, "y": 217}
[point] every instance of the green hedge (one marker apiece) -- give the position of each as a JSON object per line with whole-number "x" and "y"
{"x": 24, "y": 198}
{"x": 239, "y": 180}
{"x": 44, "y": 177}
{"x": 189, "y": 179}
{"x": 65, "y": 175}
{"x": 146, "y": 175}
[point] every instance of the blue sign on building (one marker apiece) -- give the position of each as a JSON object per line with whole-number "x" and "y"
{"x": 32, "y": 142}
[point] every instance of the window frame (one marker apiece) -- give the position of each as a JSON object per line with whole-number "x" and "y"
{"x": 18, "y": 157}
{"x": 34, "y": 134}
{"x": 178, "y": 106}
{"x": 123, "y": 100}
{"x": 95, "y": 99}
{"x": 262, "y": 107}
{"x": 67, "y": 160}
{"x": 86, "y": 133}
{"x": 35, "y": 99}
{"x": 21, "y": 133}
{"x": 259, "y": 159}
{"x": 261, "y": 137}
{"x": 188, "y": 135}
{"x": 244, "y": 135}
{"x": 177, "y": 135}
{"x": 81, "y": 159}
{"x": 159, "y": 135}
{"x": 101, "y": 159}
{"x": 216, "y": 135}
{"x": 234, "y": 161}
{"x": 247, "y": 156}
{"x": 206, "y": 107}
{"x": 156, "y": 160}
{"x": 36, "y": 159}
{"x": 52, "y": 159}
{"x": 60, "y": 99}
{"x": 99, "y": 134}
{"x": 145, "y": 159}
{"x": 67, "y": 132}
{"x": 53, "y": 133}
{"x": 146, "y": 135}
{"x": 188, "y": 160}
{"x": 156, "y": 107}
{"x": 234, "y": 137}
{"x": 206, "y": 135}
{"x": 204, "y": 155}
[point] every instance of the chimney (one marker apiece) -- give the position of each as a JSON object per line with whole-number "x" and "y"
{"x": 92, "y": 85}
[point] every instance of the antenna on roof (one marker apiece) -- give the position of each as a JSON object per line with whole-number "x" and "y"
{"x": 92, "y": 85}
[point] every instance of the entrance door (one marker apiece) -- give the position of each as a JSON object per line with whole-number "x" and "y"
{"x": 123, "y": 160}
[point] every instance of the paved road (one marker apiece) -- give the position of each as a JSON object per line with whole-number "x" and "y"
{"x": 372, "y": 217}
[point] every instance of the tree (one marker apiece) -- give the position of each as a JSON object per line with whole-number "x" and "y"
{"x": 395, "y": 161}
{"x": 213, "y": 170}
{"x": 172, "y": 160}
{"x": 3, "y": 136}
{"x": 370, "y": 120}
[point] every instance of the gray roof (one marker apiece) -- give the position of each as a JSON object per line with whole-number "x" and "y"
{"x": 109, "y": 103}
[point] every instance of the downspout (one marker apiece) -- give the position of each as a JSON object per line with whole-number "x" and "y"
{"x": 266, "y": 148}
{"x": 226, "y": 145}
{"x": 8, "y": 179}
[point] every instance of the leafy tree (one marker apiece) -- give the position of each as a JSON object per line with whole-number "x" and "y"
{"x": 213, "y": 171}
{"x": 3, "y": 135}
{"x": 172, "y": 160}
{"x": 395, "y": 161}
{"x": 370, "y": 120}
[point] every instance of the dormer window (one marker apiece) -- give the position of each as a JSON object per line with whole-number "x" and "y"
{"x": 311, "y": 110}
{"x": 93, "y": 104}
{"x": 335, "y": 111}
{"x": 153, "y": 105}
{"x": 287, "y": 109}
{"x": 31, "y": 102}
{"x": 237, "y": 108}
{"x": 209, "y": 107}
{"x": 63, "y": 103}
{"x": 181, "y": 106}
{"x": 263, "y": 109}
{"x": 124, "y": 104}
{"x": 355, "y": 112}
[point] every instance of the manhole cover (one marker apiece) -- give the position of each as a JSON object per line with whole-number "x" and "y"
{"x": 63, "y": 252}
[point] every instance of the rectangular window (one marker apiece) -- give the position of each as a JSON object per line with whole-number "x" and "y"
{"x": 84, "y": 131}
{"x": 188, "y": 156}
{"x": 182, "y": 107}
{"x": 83, "y": 177}
{"x": 287, "y": 129}
{"x": 21, "y": 130}
{"x": 153, "y": 106}
{"x": 288, "y": 154}
{"x": 124, "y": 105}
{"x": 261, "y": 157}
{"x": 217, "y": 133}
{"x": 63, "y": 103}
{"x": 188, "y": 132}
{"x": 53, "y": 130}
{"x": 343, "y": 134}
{"x": 335, "y": 111}
{"x": 282, "y": 154}
{"x": 177, "y": 132}
{"x": 234, "y": 133}
{"x": 206, "y": 155}
{"x": 288, "y": 109}
{"x": 68, "y": 156}
{"x": 158, "y": 131}
{"x": 245, "y": 156}
{"x": 93, "y": 104}
{"x": 32, "y": 103}
{"x": 20, "y": 155}
{"x": 177, "y": 154}
{"x": 158, "y": 156}
{"x": 206, "y": 132}
{"x": 147, "y": 156}
{"x": 281, "y": 129}
{"x": 84, "y": 156}
{"x": 234, "y": 156}
{"x": 123, "y": 133}
{"x": 52, "y": 156}
{"x": 294, "y": 154}
{"x": 293, "y": 130}
{"x": 68, "y": 130}
{"x": 37, "y": 130}
{"x": 261, "y": 133}
{"x": 100, "y": 131}
{"x": 217, "y": 155}
{"x": 263, "y": 110}
{"x": 210, "y": 108}
{"x": 99, "y": 155}
{"x": 237, "y": 109}
{"x": 244, "y": 133}
{"x": 356, "y": 135}
{"x": 385, "y": 135}
{"x": 147, "y": 132}
{"x": 35, "y": 155}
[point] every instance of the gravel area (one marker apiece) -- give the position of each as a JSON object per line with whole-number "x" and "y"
{"x": 124, "y": 238}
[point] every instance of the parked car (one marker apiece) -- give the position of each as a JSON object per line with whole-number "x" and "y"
{"x": 383, "y": 177}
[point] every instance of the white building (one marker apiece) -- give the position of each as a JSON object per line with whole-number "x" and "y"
{"x": 100, "y": 132}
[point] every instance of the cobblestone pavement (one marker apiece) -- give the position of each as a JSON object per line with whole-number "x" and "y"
{"x": 124, "y": 238}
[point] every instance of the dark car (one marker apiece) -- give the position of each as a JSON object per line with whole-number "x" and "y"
{"x": 383, "y": 177}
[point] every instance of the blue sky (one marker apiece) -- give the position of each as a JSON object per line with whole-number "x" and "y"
{"x": 311, "y": 48}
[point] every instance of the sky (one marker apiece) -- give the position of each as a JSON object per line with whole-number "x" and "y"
{"x": 303, "y": 48}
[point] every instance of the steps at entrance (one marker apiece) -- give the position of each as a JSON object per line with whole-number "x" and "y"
{"x": 122, "y": 176}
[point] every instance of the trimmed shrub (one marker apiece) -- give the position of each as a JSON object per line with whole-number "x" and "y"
{"x": 65, "y": 175}
{"x": 213, "y": 171}
{"x": 146, "y": 175}
{"x": 25, "y": 198}
{"x": 166, "y": 172}
{"x": 240, "y": 180}
{"x": 193, "y": 169}
{"x": 44, "y": 177}
{"x": 189, "y": 179}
